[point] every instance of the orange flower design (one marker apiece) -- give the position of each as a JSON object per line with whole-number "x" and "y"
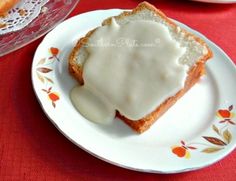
{"x": 226, "y": 115}
{"x": 179, "y": 151}
{"x": 214, "y": 143}
{"x": 54, "y": 51}
{"x": 53, "y": 96}
{"x": 43, "y": 72}
{"x": 182, "y": 150}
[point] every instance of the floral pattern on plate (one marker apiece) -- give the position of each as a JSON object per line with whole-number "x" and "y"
{"x": 43, "y": 74}
{"x": 224, "y": 136}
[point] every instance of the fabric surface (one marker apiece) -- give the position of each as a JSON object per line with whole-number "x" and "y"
{"x": 31, "y": 148}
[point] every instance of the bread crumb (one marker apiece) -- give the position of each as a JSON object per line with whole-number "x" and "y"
{"x": 3, "y": 25}
{"x": 22, "y": 12}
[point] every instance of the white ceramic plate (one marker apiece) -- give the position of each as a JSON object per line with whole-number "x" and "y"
{"x": 189, "y": 136}
{"x": 217, "y": 1}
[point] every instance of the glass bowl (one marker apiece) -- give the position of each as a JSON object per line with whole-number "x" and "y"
{"x": 54, "y": 12}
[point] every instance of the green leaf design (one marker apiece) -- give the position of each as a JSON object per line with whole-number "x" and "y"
{"x": 215, "y": 129}
{"x": 211, "y": 149}
{"x": 227, "y": 136}
{"x": 215, "y": 141}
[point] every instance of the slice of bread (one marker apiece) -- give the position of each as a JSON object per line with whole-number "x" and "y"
{"x": 197, "y": 53}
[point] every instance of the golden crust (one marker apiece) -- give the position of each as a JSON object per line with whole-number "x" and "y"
{"x": 75, "y": 70}
{"x": 193, "y": 75}
{"x": 143, "y": 124}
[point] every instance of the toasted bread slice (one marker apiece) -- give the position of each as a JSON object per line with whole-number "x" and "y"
{"x": 196, "y": 55}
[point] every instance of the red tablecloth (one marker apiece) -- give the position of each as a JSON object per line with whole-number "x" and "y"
{"x": 31, "y": 148}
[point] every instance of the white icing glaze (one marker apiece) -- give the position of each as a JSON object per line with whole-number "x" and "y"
{"x": 132, "y": 67}
{"x": 90, "y": 106}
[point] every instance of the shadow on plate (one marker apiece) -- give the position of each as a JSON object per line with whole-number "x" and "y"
{"x": 117, "y": 129}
